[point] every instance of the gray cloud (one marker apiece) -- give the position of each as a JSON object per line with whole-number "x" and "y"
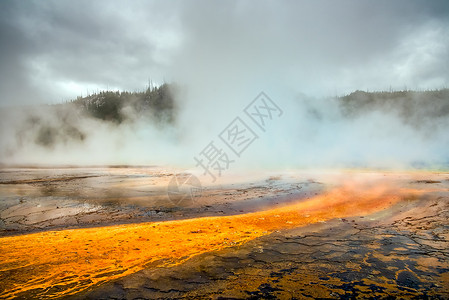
{"x": 57, "y": 49}
{"x": 53, "y": 50}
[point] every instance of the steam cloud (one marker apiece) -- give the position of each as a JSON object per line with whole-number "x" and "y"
{"x": 302, "y": 54}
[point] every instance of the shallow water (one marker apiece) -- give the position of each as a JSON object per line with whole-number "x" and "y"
{"x": 331, "y": 235}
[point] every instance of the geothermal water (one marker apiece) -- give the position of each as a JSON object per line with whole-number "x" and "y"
{"x": 115, "y": 232}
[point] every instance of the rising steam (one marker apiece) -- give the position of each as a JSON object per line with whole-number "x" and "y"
{"x": 302, "y": 54}
{"x": 376, "y": 130}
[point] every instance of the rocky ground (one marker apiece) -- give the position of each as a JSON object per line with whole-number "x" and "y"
{"x": 36, "y": 199}
{"x": 401, "y": 252}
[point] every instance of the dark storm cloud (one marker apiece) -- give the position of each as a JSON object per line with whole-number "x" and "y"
{"x": 14, "y": 49}
{"x": 54, "y": 50}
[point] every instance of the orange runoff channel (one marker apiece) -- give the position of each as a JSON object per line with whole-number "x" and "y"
{"x": 54, "y": 264}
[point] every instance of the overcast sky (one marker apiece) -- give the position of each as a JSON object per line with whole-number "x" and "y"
{"x": 51, "y": 51}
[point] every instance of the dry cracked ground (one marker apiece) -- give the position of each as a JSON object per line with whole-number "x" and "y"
{"x": 400, "y": 252}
